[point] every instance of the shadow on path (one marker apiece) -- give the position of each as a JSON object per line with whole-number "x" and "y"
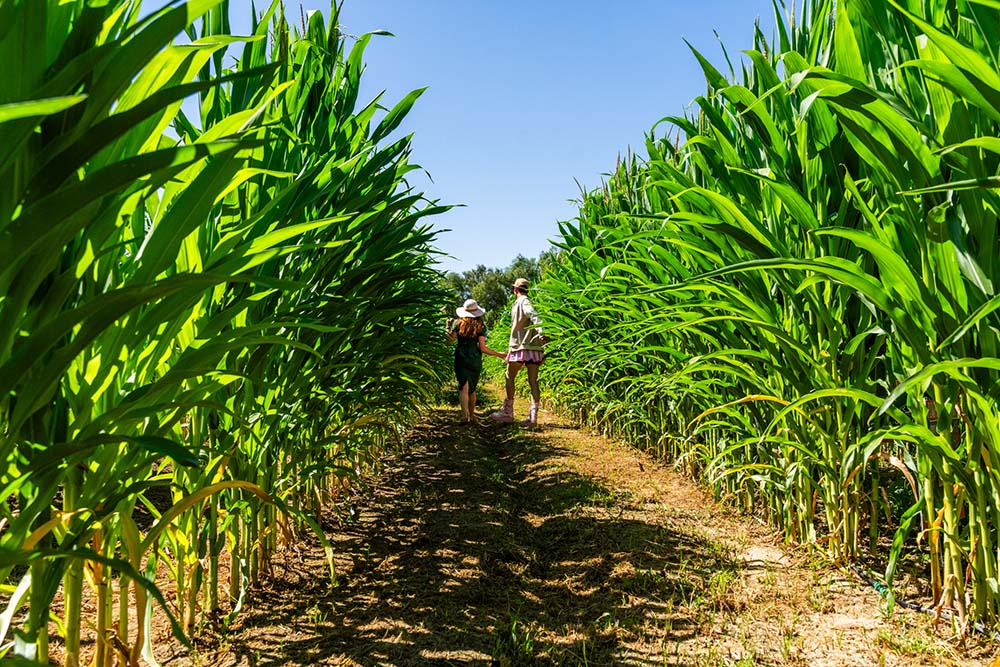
{"x": 471, "y": 548}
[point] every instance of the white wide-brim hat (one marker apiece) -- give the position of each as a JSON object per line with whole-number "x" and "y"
{"x": 470, "y": 309}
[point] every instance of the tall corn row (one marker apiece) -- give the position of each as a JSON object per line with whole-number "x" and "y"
{"x": 207, "y": 323}
{"x": 795, "y": 295}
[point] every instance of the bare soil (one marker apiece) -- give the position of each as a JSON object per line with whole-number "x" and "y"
{"x": 499, "y": 545}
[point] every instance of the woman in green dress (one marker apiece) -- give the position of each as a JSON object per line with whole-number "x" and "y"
{"x": 470, "y": 333}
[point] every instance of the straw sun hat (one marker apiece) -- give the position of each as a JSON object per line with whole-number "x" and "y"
{"x": 470, "y": 309}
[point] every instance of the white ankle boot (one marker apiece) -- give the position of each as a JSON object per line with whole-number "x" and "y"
{"x": 506, "y": 413}
{"x": 532, "y": 419}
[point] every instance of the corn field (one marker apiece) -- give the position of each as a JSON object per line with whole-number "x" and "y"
{"x": 795, "y": 296}
{"x": 208, "y": 321}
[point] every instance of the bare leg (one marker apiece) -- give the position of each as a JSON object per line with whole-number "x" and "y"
{"x": 463, "y": 399}
{"x": 536, "y": 394}
{"x": 512, "y": 369}
{"x": 506, "y": 413}
{"x": 472, "y": 407}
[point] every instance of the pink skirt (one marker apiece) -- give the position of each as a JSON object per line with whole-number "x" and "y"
{"x": 535, "y": 357}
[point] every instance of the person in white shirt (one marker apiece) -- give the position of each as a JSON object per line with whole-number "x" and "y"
{"x": 526, "y": 350}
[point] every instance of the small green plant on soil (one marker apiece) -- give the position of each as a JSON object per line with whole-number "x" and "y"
{"x": 603, "y": 497}
{"x": 900, "y": 640}
{"x": 770, "y": 578}
{"x": 819, "y": 595}
{"x": 788, "y": 641}
{"x": 644, "y": 581}
{"x": 493, "y": 471}
{"x": 720, "y": 589}
{"x": 710, "y": 658}
{"x": 315, "y": 615}
{"x": 516, "y": 645}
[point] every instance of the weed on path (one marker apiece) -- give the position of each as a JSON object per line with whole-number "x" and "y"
{"x": 494, "y": 545}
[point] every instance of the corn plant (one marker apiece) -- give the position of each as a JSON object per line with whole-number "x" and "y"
{"x": 794, "y": 294}
{"x": 229, "y": 310}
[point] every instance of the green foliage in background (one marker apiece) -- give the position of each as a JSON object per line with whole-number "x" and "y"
{"x": 491, "y": 287}
{"x": 795, "y": 295}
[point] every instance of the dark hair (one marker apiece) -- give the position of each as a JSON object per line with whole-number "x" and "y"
{"x": 470, "y": 327}
{"x": 521, "y": 290}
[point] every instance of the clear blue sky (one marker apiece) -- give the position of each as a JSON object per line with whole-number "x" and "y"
{"x": 524, "y": 96}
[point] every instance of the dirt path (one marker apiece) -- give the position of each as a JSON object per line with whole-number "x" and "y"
{"x": 494, "y": 545}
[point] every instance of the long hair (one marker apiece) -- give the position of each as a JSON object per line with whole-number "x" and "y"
{"x": 470, "y": 327}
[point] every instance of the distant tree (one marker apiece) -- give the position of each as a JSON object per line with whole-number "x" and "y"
{"x": 523, "y": 267}
{"x": 491, "y": 286}
{"x": 498, "y": 290}
{"x": 455, "y": 286}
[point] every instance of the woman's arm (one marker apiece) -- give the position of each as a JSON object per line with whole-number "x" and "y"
{"x": 486, "y": 350}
